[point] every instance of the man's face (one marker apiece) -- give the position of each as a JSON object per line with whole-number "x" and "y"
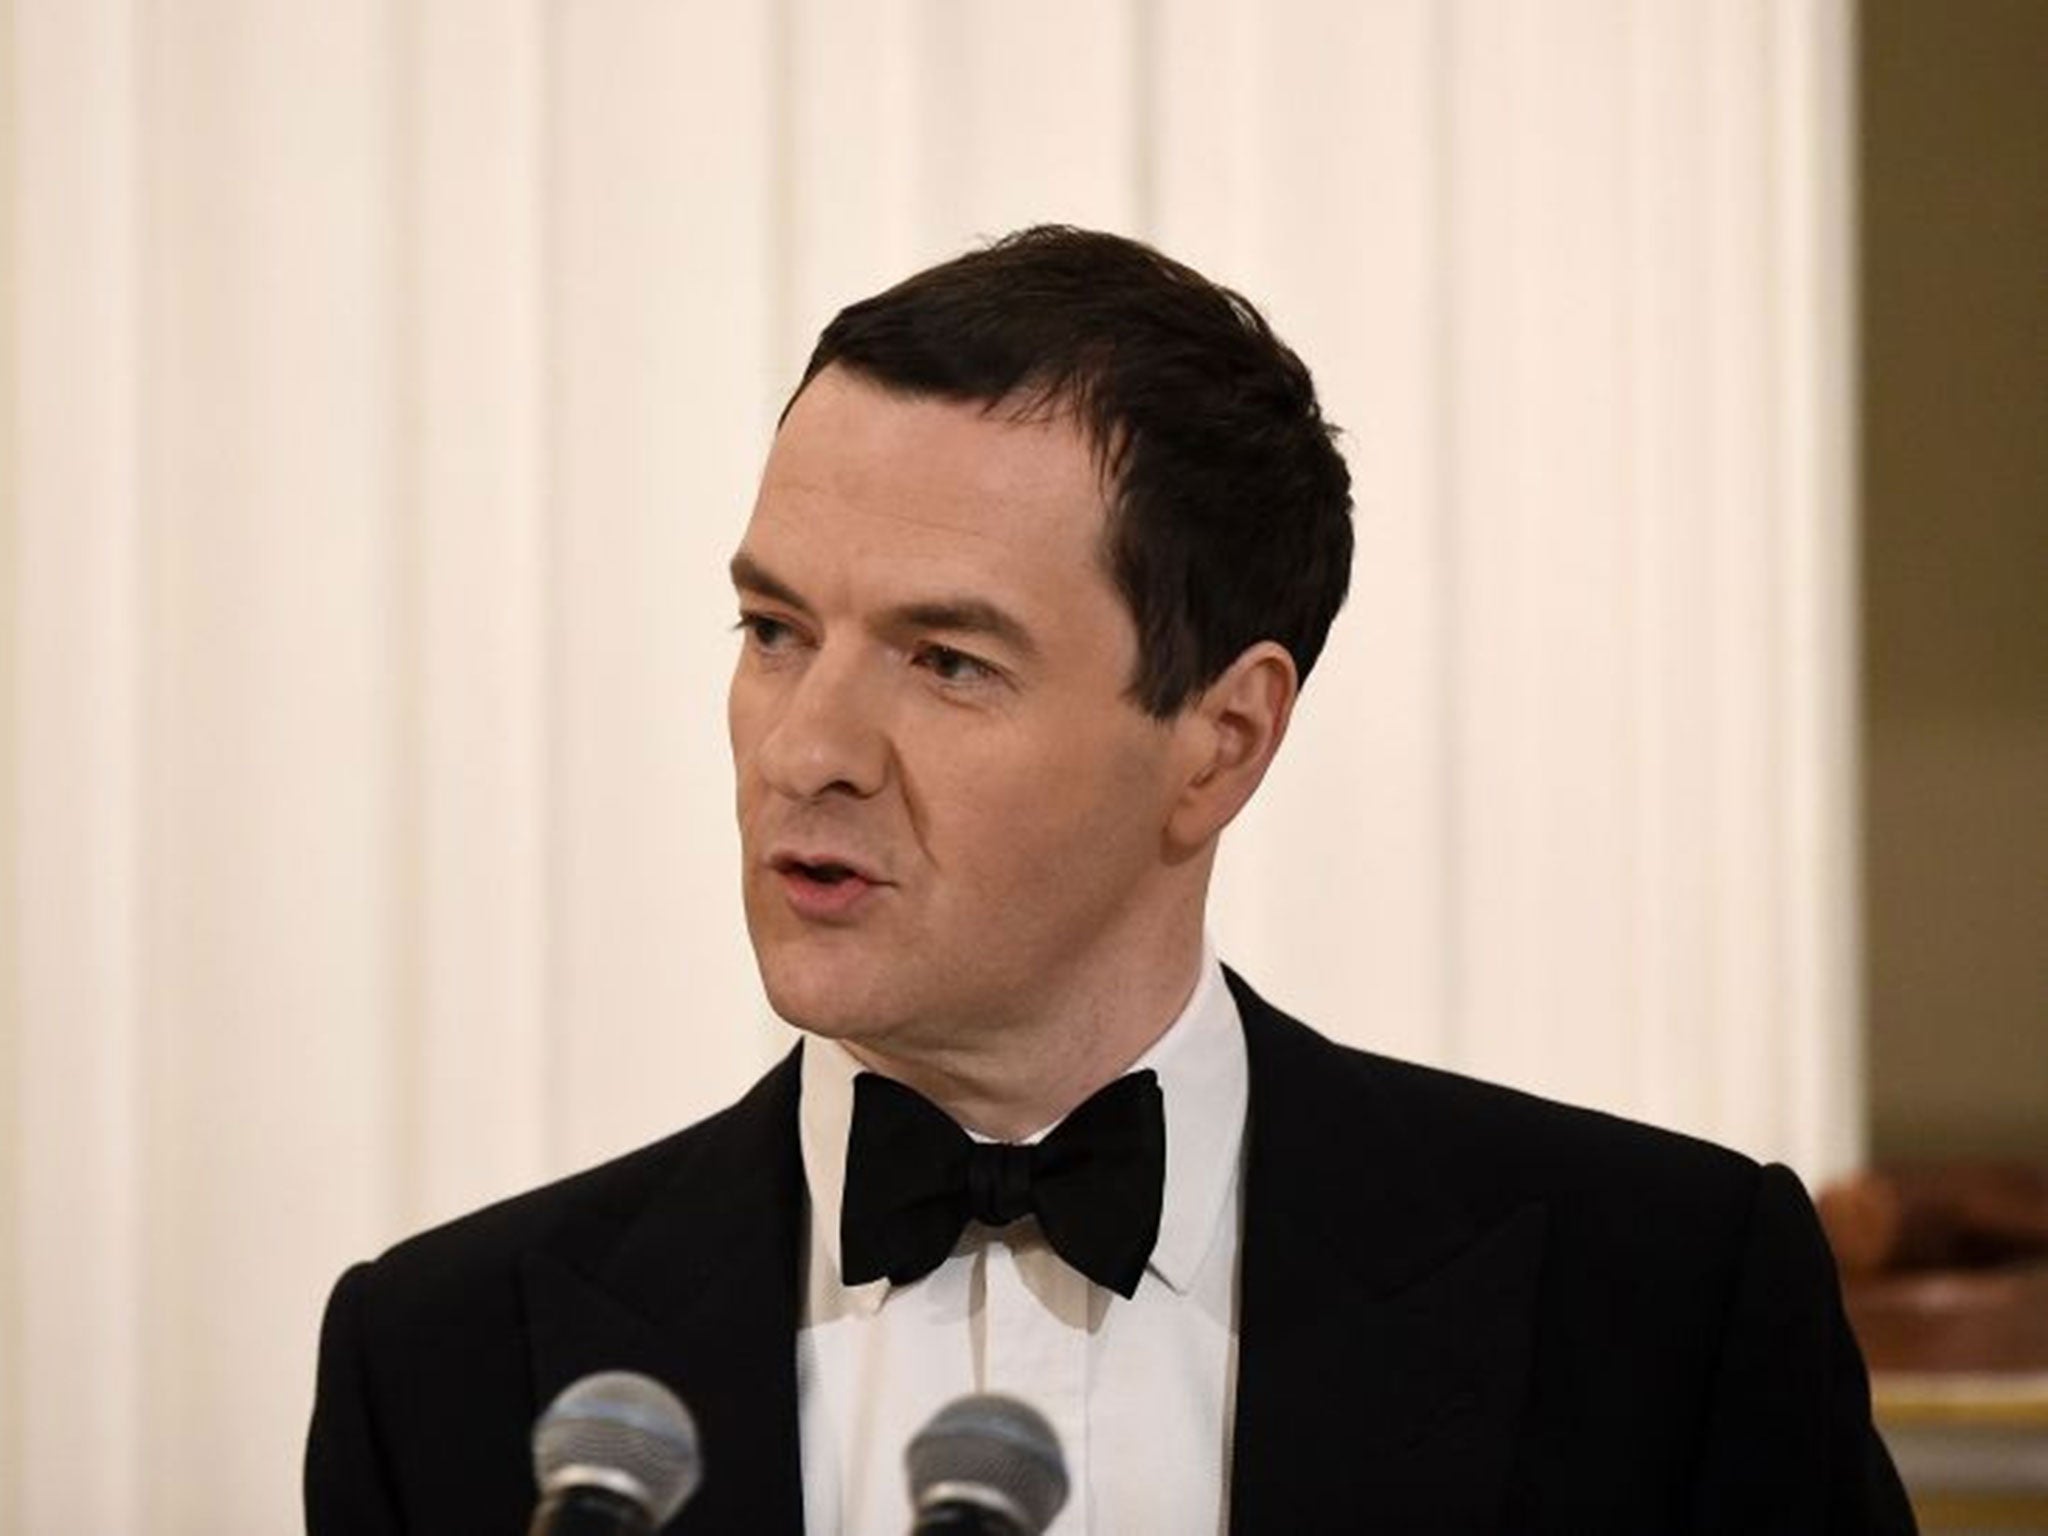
{"x": 951, "y": 816}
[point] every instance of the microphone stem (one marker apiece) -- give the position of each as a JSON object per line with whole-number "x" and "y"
{"x": 586, "y": 1510}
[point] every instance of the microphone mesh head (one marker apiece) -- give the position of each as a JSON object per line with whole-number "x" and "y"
{"x": 993, "y": 1442}
{"x": 622, "y": 1423}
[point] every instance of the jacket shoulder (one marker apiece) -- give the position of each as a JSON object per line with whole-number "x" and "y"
{"x": 436, "y": 1356}
{"x": 1493, "y": 1148}
{"x": 1544, "y": 1146}
{"x": 443, "y": 1271}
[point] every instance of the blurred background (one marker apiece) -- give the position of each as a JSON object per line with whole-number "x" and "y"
{"x": 382, "y": 387}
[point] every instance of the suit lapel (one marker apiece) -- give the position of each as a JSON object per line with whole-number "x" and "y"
{"x": 699, "y": 1290}
{"x": 1385, "y": 1332}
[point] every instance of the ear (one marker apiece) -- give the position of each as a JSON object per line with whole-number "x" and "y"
{"x": 1230, "y": 734}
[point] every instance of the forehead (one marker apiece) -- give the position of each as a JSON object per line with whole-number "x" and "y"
{"x": 860, "y": 471}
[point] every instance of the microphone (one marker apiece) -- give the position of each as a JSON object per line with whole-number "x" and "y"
{"x": 986, "y": 1465}
{"x": 615, "y": 1455}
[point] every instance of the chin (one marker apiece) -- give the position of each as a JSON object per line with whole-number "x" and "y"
{"x": 819, "y": 999}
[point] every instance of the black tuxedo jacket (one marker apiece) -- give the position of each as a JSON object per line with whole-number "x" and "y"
{"x": 1462, "y": 1309}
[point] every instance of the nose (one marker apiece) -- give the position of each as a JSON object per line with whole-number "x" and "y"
{"x": 824, "y": 733}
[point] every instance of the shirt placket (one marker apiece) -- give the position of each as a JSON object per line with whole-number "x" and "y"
{"x": 1034, "y": 1355}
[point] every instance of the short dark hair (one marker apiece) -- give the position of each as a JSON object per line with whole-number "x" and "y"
{"x": 1230, "y": 510}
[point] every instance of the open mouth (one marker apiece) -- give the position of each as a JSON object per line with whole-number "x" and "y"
{"x": 821, "y": 871}
{"x": 825, "y": 889}
{"x": 824, "y": 874}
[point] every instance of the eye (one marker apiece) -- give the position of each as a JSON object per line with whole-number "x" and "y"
{"x": 767, "y": 635}
{"x": 951, "y": 666}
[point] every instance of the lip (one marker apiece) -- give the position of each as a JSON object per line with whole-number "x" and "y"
{"x": 790, "y": 858}
{"x": 820, "y": 900}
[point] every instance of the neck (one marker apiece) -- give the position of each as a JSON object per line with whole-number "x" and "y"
{"x": 1014, "y": 1082}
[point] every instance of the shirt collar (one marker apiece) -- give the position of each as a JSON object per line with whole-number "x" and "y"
{"x": 1200, "y": 1060}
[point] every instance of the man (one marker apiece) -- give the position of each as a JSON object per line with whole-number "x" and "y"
{"x": 1047, "y": 541}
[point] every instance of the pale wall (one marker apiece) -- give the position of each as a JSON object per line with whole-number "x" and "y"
{"x": 385, "y": 384}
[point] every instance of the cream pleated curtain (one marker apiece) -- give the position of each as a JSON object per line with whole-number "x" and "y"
{"x": 383, "y": 389}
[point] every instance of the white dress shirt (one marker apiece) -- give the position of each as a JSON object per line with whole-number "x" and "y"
{"x": 1139, "y": 1391}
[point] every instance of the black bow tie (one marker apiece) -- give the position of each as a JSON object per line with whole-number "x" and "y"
{"x": 914, "y": 1179}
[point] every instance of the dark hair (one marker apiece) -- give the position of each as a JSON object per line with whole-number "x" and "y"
{"x": 1230, "y": 517}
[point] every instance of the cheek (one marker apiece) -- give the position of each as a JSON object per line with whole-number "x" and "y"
{"x": 1084, "y": 810}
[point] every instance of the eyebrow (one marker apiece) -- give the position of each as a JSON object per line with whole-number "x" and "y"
{"x": 750, "y": 575}
{"x": 955, "y": 615}
{"x": 968, "y": 616}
